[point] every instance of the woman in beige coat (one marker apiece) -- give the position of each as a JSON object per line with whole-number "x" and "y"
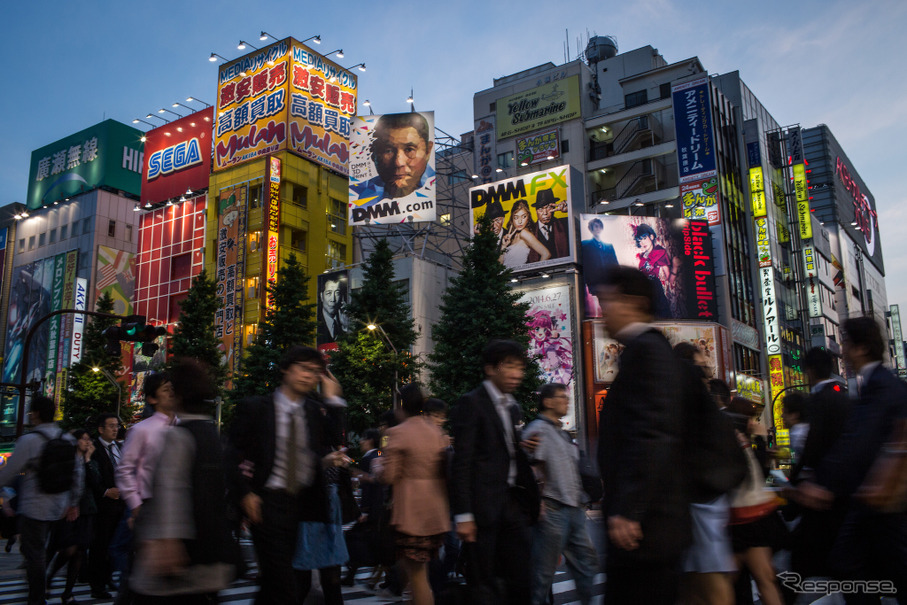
{"x": 413, "y": 462}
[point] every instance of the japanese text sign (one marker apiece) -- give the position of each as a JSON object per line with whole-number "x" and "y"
{"x": 693, "y": 127}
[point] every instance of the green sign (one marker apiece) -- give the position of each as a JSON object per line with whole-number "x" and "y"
{"x": 109, "y": 154}
{"x": 539, "y": 107}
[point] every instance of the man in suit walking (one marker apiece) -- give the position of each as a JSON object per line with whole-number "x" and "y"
{"x": 279, "y": 446}
{"x": 870, "y": 544}
{"x": 494, "y": 495}
{"x": 554, "y": 233}
{"x": 110, "y": 506}
{"x": 640, "y": 433}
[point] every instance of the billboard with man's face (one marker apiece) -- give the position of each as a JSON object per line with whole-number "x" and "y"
{"x": 392, "y": 168}
{"x": 531, "y": 217}
{"x": 333, "y": 298}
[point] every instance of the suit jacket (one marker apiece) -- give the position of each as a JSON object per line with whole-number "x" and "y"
{"x": 597, "y": 256}
{"x": 324, "y": 333}
{"x": 106, "y": 480}
{"x": 559, "y": 242}
{"x": 828, "y": 410}
{"x": 640, "y": 432}
{"x": 372, "y": 503}
{"x": 414, "y": 461}
{"x": 252, "y": 440}
{"x": 481, "y": 462}
{"x": 882, "y": 400}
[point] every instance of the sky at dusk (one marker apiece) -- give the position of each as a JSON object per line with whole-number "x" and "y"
{"x": 70, "y": 65}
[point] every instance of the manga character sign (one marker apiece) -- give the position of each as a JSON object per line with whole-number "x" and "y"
{"x": 539, "y": 147}
{"x": 392, "y": 169}
{"x": 700, "y": 200}
{"x": 550, "y": 322}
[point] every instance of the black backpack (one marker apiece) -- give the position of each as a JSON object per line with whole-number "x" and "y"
{"x": 56, "y": 464}
{"x": 714, "y": 461}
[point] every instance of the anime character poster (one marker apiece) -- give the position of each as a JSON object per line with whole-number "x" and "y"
{"x": 677, "y": 257}
{"x": 550, "y": 322}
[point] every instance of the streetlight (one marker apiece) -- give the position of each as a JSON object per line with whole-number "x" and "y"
{"x": 386, "y": 338}
{"x": 107, "y": 375}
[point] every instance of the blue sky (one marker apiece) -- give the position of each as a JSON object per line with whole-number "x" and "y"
{"x": 71, "y": 64}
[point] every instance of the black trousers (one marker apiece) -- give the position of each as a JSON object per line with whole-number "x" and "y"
{"x": 500, "y": 555}
{"x": 275, "y": 544}
{"x": 34, "y": 536}
{"x": 100, "y": 567}
{"x": 872, "y": 546}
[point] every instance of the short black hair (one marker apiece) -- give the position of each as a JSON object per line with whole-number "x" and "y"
{"x": 548, "y": 391}
{"x": 498, "y": 351}
{"x": 594, "y": 222}
{"x": 630, "y": 282}
{"x": 412, "y": 398}
{"x": 44, "y": 407}
{"x": 193, "y": 385}
{"x": 103, "y": 418}
{"x": 404, "y": 120}
{"x": 796, "y": 402}
{"x": 820, "y": 361}
{"x": 153, "y": 382}
{"x": 373, "y": 435}
{"x": 865, "y": 332}
{"x": 301, "y": 354}
{"x": 79, "y": 433}
{"x": 720, "y": 390}
{"x": 433, "y": 405}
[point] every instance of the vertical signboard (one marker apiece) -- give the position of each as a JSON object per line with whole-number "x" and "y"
{"x": 550, "y": 323}
{"x": 770, "y": 320}
{"x": 485, "y": 145}
{"x": 802, "y": 192}
{"x": 812, "y": 285}
{"x": 898, "y": 337}
{"x": 392, "y": 169}
{"x": 271, "y": 256}
{"x": 78, "y": 321}
{"x": 231, "y": 238}
{"x": 776, "y": 382}
{"x": 757, "y": 191}
{"x": 696, "y": 164}
{"x": 69, "y": 299}
{"x": 53, "y": 338}
{"x": 763, "y": 245}
{"x": 333, "y": 299}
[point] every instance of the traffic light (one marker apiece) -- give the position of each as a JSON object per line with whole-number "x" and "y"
{"x": 113, "y": 336}
{"x": 133, "y": 329}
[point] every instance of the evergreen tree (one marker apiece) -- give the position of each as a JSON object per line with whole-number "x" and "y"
{"x": 90, "y": 393}
{"x": 290, "y": 322}
{"x": 364, "y": 364}
{"x": 477, "y": 307}
{"x": 194, "y": 335}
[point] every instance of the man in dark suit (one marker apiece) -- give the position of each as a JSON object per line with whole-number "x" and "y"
{"x": 494, "y": 495}
{"x": 279, "y": 445}
{"x": 331, "y": 313}
{"x": 640, "y": 433}
{"x": 554, "y": 233}
{"x": 870, "y": 544}
{"x": 597, "y": 257}
{"x": 110, "y": 507}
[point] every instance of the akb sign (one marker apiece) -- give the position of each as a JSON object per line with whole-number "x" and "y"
{"x": 175, "y": 158}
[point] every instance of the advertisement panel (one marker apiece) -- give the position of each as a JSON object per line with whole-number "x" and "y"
{"x": 804, "y": 218}
{"x": 550, "y": 323}
{"x": 273, "y": 231}
{"x": 178, "y": 157}
{"x": 333, "y": 298}
{"x": 757, "y": 192}
{"x": 693, "y": 129}
{"x": 700, "y": 200}
{"x": 770, "y": 323}
{"x": 108, "y": 154}
{"x": 392, "y": 169}
{"x": 231, "y": 237}
{"x": 538, "y": 107}
{"x": 532, "y": 217}
{"x": 78, "y": 321}
{"x": 116, "y": 276}
{"x": 53, "y": 335}
{"x": 898, "y": 337}
{"x": 3, "y": 233}
{"x": 811, "y": 279}
{"x": 539, "y": 147}
{"x": 252, "y": 106}
{"x": 676, "y": 255}
{"x": 322, "y": 106}
{"x": 69, "y": 301}
{"x": 750, "y": 387}
{"x": 857, "y": 205}
{"x": 485, "y": 149}
{"x": 776, "y": 382}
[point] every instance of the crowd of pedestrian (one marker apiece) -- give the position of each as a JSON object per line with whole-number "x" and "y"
{"x": 481, "y": 507}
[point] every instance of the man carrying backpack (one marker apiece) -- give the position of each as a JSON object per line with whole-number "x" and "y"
{"x": 50, "y": 488}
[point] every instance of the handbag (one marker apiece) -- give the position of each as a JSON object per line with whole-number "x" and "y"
{"x": 751, "y": 502}
{"x": 885, "y": 488}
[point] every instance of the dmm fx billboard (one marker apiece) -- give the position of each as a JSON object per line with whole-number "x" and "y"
{"x": 696, "y": 164}
{"x": 538, "y": 107}
{"x": 392, "y": 169}
{"x": 284, "y": 96}
{"x": 107, "y": 154}
{"x": 531, "y": 215}
{"x": 178, "y": 157}
{"x": 271, "y": 256}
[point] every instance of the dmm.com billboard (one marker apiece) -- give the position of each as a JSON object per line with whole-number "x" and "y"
{"x": 178, "y": 157}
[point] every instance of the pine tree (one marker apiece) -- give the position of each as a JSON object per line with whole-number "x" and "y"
{"x": 477, "y": 307}
{"x": 364, "y": 364}
{"x": 290, "y": 322}
{"x": 194, "y": 335}
{"x": 90, "y": 393}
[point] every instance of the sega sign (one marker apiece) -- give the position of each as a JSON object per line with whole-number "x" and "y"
{"x": 178, "y": 157}
{"x": 173, "y": 159}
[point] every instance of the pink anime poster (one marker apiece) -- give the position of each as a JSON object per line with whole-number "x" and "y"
{"x": 550, "y": 322}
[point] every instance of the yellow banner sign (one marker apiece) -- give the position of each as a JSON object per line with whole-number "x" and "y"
{"x": 538, "y": 107}
{"x": 803, "y": 213}
{"x": 757, "y": 190}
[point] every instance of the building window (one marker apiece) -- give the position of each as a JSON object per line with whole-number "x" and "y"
{"x": 53, "y": 236}
{"x": 86, "y": 226}
{"x": 665, "y": 90}
{"x": 111, "y": 228}
{"x": 459, "y": 176}
{"x": 75, "y": 228}
{"x": 505, "y": 159}
{"x": 256, "y": 193}
{"x": 252, "y": 287}
{"x": 22, "y": 245}
{"x": 63, "y": 230}
{"x": 565, "y": 146}
{"x": 335, "y": 254}
{"x": 181, "y": 266}
{"x": 297, "y": 239}
{"x": 128, "y": 233}
{"x": 296, "y": 194}
{"x": 41, "y": 239}
{"x": 635, "y": 99}
{"x": 31, "y": 242}
{"x": 337, "y": 217}
{"x": 255, "y": 241}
